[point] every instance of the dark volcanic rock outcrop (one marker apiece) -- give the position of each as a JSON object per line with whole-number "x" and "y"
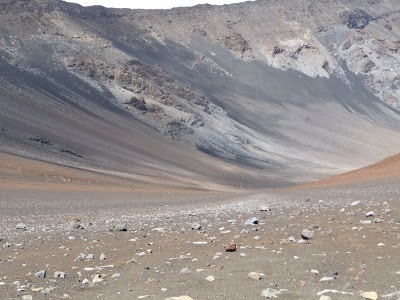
{"x": 356, "y": 19}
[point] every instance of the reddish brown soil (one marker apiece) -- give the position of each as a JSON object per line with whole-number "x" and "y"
{"x": 385, "y": 170}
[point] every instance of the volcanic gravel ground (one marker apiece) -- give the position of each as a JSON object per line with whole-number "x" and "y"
{"x": 159, "y": 244}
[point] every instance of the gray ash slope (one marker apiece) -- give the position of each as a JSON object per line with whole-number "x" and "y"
{"x": 195, "y": 96}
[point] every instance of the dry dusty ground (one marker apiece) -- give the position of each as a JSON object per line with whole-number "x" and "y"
{"x": 355, "y": 252}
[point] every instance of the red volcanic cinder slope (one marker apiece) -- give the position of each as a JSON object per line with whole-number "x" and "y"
{"x": 385, "y": 170}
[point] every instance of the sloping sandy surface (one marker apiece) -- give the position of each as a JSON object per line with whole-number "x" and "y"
{"x": 385, "y": 170}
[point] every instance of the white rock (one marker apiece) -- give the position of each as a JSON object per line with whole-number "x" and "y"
{"x": 185, "y": 271}
{"x": 180, "y": 298}
{"x": 365, "y": 222}
{"x": 334, "y": 292}
{"x": 210, "y": 278}
{"x": 264, "y": 208}
{"x": 251, "y": 221}
{"x": 307, "y": 234}
{"x": 97, "y": 279}
{"x": 271, "y": 293}
{"x": 255, "y": 275}
{"x": 369, "y": 295}
{"x": 60, "y": 274}
{"x": 326, "y": 279}
{"x": 391, "y": 295}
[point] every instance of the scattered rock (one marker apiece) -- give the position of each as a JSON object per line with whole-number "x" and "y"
{"x": 103, "y": 256}
{"x": 27, "y": 297}
{"x": 230, "y": 247}
{"x": 180, "y": 298}
{"x": 97, "y": 278}
{"x": 369, "y": 295}
{"x": 85, "y": 281}
{"x": 74, "y": 225}
{"x": 255, "y": 275}
{"x": 355, "y": 203}
{"x": 325, "y": 298}
{"x": 185, "y": 271}
{"x": 48, "y": 290}
{"x": 119, "y": 227}
{"x": 365, "y": 222}
{"x": 333, "y": 292}
{"x": 307, "y": 234}
{"x": 60, "y": 274}
{"x": 264, "y": 208}
{"x": 370, "y": 214}
{"x": 200, "y": 243}
{"x": 210, "y": 278}
{"x": 391, "y": 295}
{"x": 326, "y": 278}
{"x": 21, "y": 227}
{"x": 271, "y": 293}
{"x": 251, "y": 221}
{"x": 41, "y": 274}
{"x": 116, "y": 275}
{"x": 196, "y": 226}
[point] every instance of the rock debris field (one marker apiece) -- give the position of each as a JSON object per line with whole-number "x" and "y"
{"x": 313, "y": 243}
